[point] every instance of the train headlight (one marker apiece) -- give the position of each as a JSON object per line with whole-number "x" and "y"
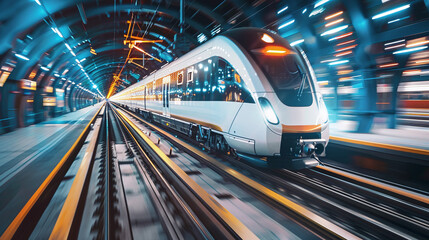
{"x": 268, "y": 111}
{"x": 323, "y": 111}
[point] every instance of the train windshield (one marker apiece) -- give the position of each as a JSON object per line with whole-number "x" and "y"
{"x": 284, "y": 68}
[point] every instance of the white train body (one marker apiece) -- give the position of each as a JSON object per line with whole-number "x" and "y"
{"x": 248, "y": 125}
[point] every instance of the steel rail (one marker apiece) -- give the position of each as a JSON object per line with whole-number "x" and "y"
{"x": 66, "y": 218}
{"x": 235, "y": 228}
{"x": 308, "y": 218}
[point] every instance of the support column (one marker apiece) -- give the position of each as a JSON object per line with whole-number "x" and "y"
{"x": 397, "y": 77}
{"x": 362, "y": 57}
{"x": 7, "y": 105}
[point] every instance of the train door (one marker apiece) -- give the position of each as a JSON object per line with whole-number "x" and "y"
{"x": 166, "y": 96}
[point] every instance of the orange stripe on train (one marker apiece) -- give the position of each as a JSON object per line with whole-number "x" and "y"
{"x": 301, "y": 128}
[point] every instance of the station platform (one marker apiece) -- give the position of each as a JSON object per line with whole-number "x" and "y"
{"x": 28, "y": 155}
{"x": 400, "y": 155}
{"x": 402, "y": 138}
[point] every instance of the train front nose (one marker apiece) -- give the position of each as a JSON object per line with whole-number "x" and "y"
{"x": 304, "y": 129}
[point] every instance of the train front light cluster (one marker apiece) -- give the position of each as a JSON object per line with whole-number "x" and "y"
{"x": 268, "y": 111}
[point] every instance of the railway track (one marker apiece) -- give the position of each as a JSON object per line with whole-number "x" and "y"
{"x": 126, "y": 178}
{"x": 385, "y": 213}
{"x": 294, "y": 212}
{"x": 363, "y": 207}
{"x": 119, "y": 184}
{"x": 118, "y": 192}
{"x": 276, "y": 201}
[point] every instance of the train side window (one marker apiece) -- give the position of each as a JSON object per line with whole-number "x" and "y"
{"x": 206, "y": 88}
{"x": 230, "y": 84}
{"x": 180, "y": 78}
{"x": 153, "y": 90}
{"x": 198, "y": 78}
{"x": 188, "y": 88}
{"x": 173, "y": 86}
{"x": 149, "y": 88}
{"x": 201, "y": 81}
{"x": 158, "y": 89}
{"x": 218, "y": 94}
{"x": 221, "y": 69}
{"x": 216, "y": 83}
{"x": 190, "y": 74}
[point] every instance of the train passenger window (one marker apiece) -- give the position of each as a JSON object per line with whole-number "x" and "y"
{"x": 229, "y": 85}
{"x": 180, "y": 78}
{"x": 188, "y": 88}
{"x": 158, "y": 90}
{"x": 149, "y": 89}
{"x": 206, "y": 88}
{"x": 198, "y": 77}
{"x": 173, "y": 86}
{"x": 190, "y": 74}
{"x": 202, "y": 81}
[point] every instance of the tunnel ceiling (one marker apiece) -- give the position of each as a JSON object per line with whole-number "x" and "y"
{"x": 91, "y": 42}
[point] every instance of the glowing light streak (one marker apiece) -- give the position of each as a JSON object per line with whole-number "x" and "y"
{"x": 346, "y": 42}
{"x": 395, "y": 46}
{"x": 397, "y": 20}
{"x": 392, "y": 11}
{"x": 44, "y": 68}
{"x": 388, "y": 65}
{"x": 282, "y": 10}
{"x": 411, "y": 72}
{"x": 317, "y": 11}
{"x": 338, "y": 62}
{"x": 329, "y": 60}
{"x": 417, "y": 44}
{"x": 297, "y": 42}
{"x": 334, "y": 22}
{"x": 341, "y": 36}
{"x": 320, "y": 3}
{"x": 345, "y": 79}
{"x": 334, "y": 15}
{"x": 421, "y": 62}
{"x": 143, "y": 51}
{"x": 346, "y": 48}
{"x": 286, "y": 24}
{"x": 22, "y": 57}
{"x": 390, "y": 43}
{"x": 410, "y": 50}
{"x": 335, "y": 30}
{"x": 343, "y": 53}
{"x": 344, "y": 72}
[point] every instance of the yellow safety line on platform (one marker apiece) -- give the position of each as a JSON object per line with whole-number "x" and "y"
{"x": 301, "y": 211}
{"x": 16, "y": 223}
{"x": 382, "y": 145}
{"x": 236, "y": 225}
{"x": 402, "y": 192}
{"x": 65, "y": 219}
{"x": 416, "y": 114}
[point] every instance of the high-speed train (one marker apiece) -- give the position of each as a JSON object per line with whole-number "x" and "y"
{"x": 246, "y": 91}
